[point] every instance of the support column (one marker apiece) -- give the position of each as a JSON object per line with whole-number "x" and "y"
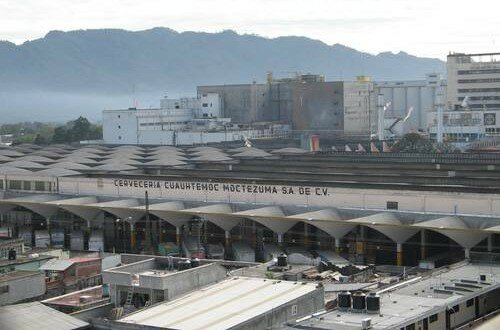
{"x": 490, "y": 243}
{"x": 422, "y": 244}
{"x": 280, "y": 239}
{"x": 399, "y": 254}
{"x": 49, "y": 230}
{"x": 306, "y": 236}
{"x": 178, "y": 236}
{"x": 337, "y": 245}
{"x": 133, "y": 236}
{"x": 227, "y": 236}
{"x": 360, "y": 243}
{"x": 467, "y": 253}
{"x": 86, "y": 234}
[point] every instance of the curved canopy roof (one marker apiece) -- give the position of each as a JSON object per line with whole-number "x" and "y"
{"x": 24, "y": 164}
{"x": 56, "y": 172}
{"x": 69, "y": 166}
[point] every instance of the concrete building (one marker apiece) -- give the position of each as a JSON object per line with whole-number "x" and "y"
{"x": 306, "y": 102}
{"x": 79, "y": 300}
{"x": 445, "y": 299}
{"x": 20, "y": 286}
{"x": 371, "y": 208}
{"x": 475, "y": 78}
{"x": 403, "y": 95}
{"x": 473, "y": 100}
{"x": 184, "y": 121}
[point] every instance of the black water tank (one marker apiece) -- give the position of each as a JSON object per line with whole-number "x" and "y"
{"x": 282, "y": 260}
{"x": 344, "y": 300}
{"x": 12, "y": 254}
{"x": 195, "y": 262}
{"x": 358, "y": 302}
{"x": 183, "y": 265}
{"x": 373, "y": 303}
{"x": 481, "y": 277}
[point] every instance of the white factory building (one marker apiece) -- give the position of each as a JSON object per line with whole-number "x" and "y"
{"x": 184, "y": 121}
{"x": 401, "y": 96}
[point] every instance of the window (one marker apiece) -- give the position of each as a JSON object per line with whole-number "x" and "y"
{"x": 26, "y": 185}
{"x": 119, "y": 116}
{"x": 4, "y": 289}
{"x": 392, "y": 205}
{"x": 39, "y": 185}
{"x": 294, "y": 310}
{"x": 15, "y": 184}
{"x": 470, "y": 302}
{"x": 204, "y": 105}
{"x": 433, "y": 318}
{"x": 456, "y": 308}
{"x": 1, "y": 184}
{"x": 119, "y": 127}
{"x": 119, "y": 137}
{"x": 410, "y": 327}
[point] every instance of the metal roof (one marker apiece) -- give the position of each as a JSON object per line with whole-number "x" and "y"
{"x": 37, "y": 316}
{"x": 57, "y": 265}
{"x": 223, "y": 305}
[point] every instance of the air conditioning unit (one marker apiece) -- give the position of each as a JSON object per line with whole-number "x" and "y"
{"x": 366, "y": 323}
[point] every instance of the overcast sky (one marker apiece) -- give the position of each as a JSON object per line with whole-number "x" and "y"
{"x": 421, "y": 27}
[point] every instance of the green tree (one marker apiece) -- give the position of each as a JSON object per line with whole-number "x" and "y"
{"x": 61, "y": 135}
{"x": 40, "y": 140}
{"x": 413, "y": 142}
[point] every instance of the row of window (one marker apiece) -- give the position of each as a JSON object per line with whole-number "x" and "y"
{"x": 480, "y": 98}
{"x": 484, "y": 71}
{"x": 479, "y": 90}
{"x": 27, "y": 185}
{"x": 474, "y": 81}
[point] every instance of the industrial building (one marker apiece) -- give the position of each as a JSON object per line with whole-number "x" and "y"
{"x": 370, "y": 208}
{"x": 444, "y": 299}
{"x": 415, "y": 98}
{"x": 20, "y": 286}
{"x": 472, "y": 100}
{"x": 306, "y": 102}
{"x": 184, "y": 121}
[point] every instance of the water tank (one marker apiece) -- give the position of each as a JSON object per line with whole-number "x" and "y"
{"x": 12, "y": 254}
{"x": 482, "y": 278}
{"x": 195, "y": 262}
{"x": 282, "y": 260}
{"x": 358, "y": 302}
{"x": 183, "y": 265}
{"x": 373, "y": 303}
{"x": 344, "y": 300}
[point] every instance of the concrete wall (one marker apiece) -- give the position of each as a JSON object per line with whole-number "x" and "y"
{"x": 305, "y": 305}
{"x": 119, "y": 127}
{"x": 22, "y": 288}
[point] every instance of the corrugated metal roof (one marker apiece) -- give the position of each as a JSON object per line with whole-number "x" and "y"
{"x": 57, "y": 265}
{"x": 37, "y": 316}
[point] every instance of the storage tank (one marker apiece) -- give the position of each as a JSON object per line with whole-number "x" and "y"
{"x": 344, "y": 300}
{"x": 358, "y": 302}
{"x": 373, "y": 303}
{"x": 96, "y": 241}
{"x": 57, "y": 238}
{"x": 77, "y": 240}
{"x": 282, "y": 260}
{"x": 42, "y": 238}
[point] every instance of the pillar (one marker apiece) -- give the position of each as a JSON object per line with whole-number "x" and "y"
{"x": 360, "y": 242}
{"x": 133, "y": 236}
{"x": 422, "y": 244}
{"x": 399, "y": 254}
{"x": 280, "y": 239}
{"x": 337, "y": 245}
{"x": 227, "y": 236}
{"x": 86, "y": 234}
{"x": 49, "y": 230}
{"x": 306, "y": 236}
{"x": 178, "y": 236}
{"x": 467, "y": 253}
{"x": 490, "y": 243}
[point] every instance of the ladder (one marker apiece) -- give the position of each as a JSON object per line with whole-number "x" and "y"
{"x": 130, "y": 295}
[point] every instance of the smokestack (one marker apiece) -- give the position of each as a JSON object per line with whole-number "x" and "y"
{"x": 380, "y": 117}
{"x": 439, "y": 108}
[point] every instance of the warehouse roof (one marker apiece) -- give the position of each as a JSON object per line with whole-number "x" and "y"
{"x": 223, "y": 305}
{"x": 36, "y": 315}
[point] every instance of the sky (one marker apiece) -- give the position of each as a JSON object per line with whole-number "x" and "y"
{"x": 430, "y": 28}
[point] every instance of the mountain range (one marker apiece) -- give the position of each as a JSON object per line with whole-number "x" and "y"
{"x": 65, "y": 74}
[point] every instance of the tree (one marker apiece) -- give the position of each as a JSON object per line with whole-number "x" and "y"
{"x": 61, "y": 135}
{"x": 40, "y": 140}
{"x": 413, "y": 142}
{"x": 81, "y": 129}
